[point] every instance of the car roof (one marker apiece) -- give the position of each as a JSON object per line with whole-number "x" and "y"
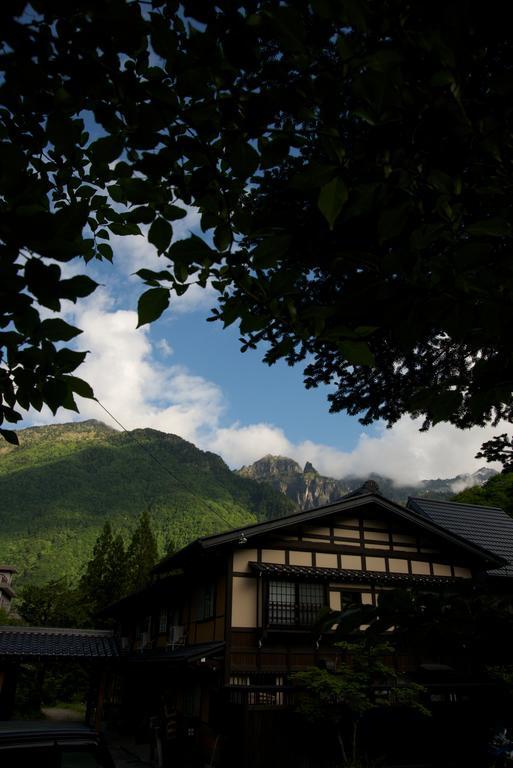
{"x": 28, "y": 729}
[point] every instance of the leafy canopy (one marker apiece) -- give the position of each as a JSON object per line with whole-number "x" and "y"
{"x": 351, "y": 162}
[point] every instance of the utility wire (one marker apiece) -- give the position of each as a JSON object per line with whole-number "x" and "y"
{"x": 161, "y": 465}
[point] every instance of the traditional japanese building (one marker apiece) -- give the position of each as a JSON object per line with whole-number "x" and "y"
{"x": 209, "y": 646}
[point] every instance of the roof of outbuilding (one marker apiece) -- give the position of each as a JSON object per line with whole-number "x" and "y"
{"x": 489, "y": 527}
{"x": 51, "y": 642}
{"x": 348, "y": 576}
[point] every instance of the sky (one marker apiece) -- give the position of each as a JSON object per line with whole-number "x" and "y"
{"x": 186, "y": 376}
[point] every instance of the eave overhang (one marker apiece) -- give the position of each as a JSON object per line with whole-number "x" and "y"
{"x": 346, "y": 576}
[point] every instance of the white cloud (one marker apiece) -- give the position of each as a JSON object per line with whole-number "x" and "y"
{"x": 164, "y": 347}
{"x": 402, "y": 453}
{"x": 139, "y": 391}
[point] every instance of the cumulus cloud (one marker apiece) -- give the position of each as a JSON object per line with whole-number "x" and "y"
{"x": 128, "y": 380}
{"x": 402, "y": 453}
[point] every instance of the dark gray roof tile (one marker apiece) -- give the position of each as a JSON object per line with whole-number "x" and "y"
{"x": 489, "y": 527}
{"x": 348, "y": 576}
{"x": 51, "y": 642}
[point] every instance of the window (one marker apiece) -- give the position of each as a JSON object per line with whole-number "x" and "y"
{"x": 205, "y": 604}
{"x": 163, "y": 620}
{"x": 294, "y": 604}
{"x": 143, "y": 627}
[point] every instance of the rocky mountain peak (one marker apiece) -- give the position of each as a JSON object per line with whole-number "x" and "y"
{"x": 271, "y": 466}
{"x": 308, "y": 489}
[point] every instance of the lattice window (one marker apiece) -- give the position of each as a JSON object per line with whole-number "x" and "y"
{"x": 294, "y": 604}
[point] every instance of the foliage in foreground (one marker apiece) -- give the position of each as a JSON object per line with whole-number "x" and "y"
{"x": 352, "y": 163}
{"x": 363, "y": 681}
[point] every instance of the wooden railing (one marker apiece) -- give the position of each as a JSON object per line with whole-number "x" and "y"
{"x": 260, "y": 695}
{"x": 292, "y": 614}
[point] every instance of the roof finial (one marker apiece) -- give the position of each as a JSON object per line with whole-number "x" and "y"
{"x": 369, "y": 486}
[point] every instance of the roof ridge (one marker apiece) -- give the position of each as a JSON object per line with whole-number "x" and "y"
{"x": 57, "y": 631}
{"x": 459, "y": 503}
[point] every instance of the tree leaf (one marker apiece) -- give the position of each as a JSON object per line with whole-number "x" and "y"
{"x": 81, "y": 387}
{"x": 332, "y": 199}
{"x": 191, "y": 249}
{"x": 106, "y": 149}
{"x": 492, "y": 227}
{"x": 357, "y": 353}
{"x": 160, "y": 234}
{"x": 77, "y": 287}
{"x": 56, "y": 329}
{"x": 174, "y": 212}
{"x": 10, "y": 436}
{"x": 222, "y": 237}
{"x": 105, "y": 250}
{"x": 243, "y": 159}
{"x": 151, "y": 305}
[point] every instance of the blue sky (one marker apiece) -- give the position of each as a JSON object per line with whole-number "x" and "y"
{"x": 187, "y": 376}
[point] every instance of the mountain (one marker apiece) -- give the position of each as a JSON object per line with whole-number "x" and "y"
{"x": 308, "y": 489}
{"x": 64, "y": 481}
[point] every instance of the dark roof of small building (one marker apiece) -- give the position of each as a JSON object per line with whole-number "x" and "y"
{"x": 490, "y": 527}
{"x": 51, "y": 642}
{"x": 351, "y": 577}
{"x": 8, "y": 568}
{"x": 347, "y": 504}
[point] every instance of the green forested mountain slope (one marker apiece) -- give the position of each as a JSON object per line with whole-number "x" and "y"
{"x": 497, "y": 492}
{"x": 64, "y": 481}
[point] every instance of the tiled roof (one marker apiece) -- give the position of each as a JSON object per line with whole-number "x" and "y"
{"x": 55, "y": 642}
{"x": 489, "y": 527}
{"x": 353, "y": 577}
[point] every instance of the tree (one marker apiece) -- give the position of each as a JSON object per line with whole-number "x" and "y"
{"x": 453, "y": 622}
{"x": 496, "y": 492}
{"x": 54, "y": 604}
{"x": 499, "y": 448}
{"x": 142, "y": 553}
{"x": 344, "y": 696}
{"x": 352, "y": 163}
{"x": 105, "y": 579}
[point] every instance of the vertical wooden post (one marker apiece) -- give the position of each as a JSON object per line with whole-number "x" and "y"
{"x": 100, "y": 700}
{"x": 8, "y": 680}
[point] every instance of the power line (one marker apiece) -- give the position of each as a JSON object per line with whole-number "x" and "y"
{"x": 161, "y": 465}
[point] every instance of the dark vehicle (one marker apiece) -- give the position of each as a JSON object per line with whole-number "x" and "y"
{"x": 52, "y": 745}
